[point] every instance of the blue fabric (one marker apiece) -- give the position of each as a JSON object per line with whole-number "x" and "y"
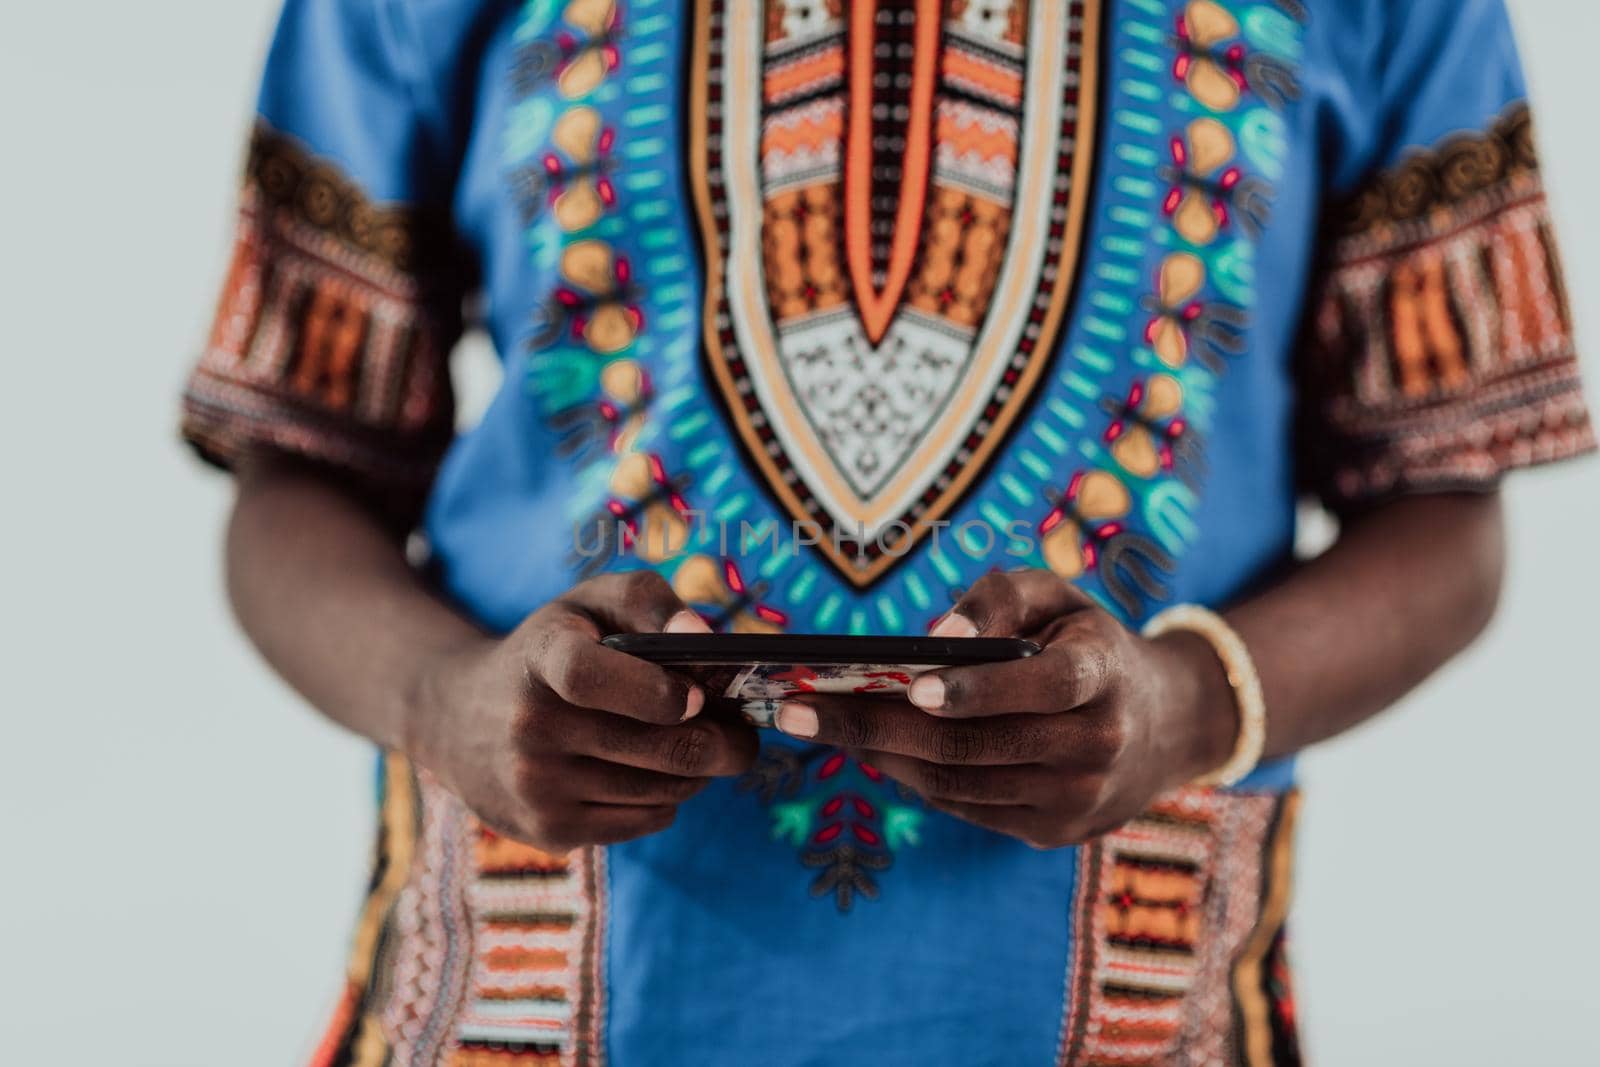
{"x": 951, "y": 971}
{"x": 721, "y": 947}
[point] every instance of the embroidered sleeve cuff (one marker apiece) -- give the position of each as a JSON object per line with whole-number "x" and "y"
{"x": 1441, "y": 351}
{"x": 225, "y": 418}
{"x": 329, "y": 344}
{"x": 1465, "y": 442}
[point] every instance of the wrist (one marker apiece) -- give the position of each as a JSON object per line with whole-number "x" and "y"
{"x": 430, "y": 694}
{"x": 1202, "y": 714}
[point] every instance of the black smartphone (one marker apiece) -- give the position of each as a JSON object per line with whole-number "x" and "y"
{"x": 755, "y": 673}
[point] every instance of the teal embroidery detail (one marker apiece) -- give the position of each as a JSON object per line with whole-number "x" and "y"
{"x": 845, "y": 817}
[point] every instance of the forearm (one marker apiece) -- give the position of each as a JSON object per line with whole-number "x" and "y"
{"x": 323, "y": 589}
{"x": 1347, "y": 634}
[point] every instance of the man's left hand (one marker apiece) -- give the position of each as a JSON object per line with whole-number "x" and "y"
{"x": 1053, "y": 749}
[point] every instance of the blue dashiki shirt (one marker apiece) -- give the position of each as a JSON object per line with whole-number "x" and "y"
{"x": 1098, "y": 286}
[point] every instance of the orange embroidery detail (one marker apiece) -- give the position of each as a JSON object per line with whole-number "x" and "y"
{"x": 878, "y": 306}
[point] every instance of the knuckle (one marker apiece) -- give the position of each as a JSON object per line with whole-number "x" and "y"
{"x": 564, "y": 669}
{"x": 644, "y": 585}
{"x": 1072, "y": 594}
{"x": 994, "y": 600}
{"x": 688, "y": 751}
{"x": 1119, "y": 737}
{"x": 1089, "y": 668}
{"x": 856, "y": 731}
{"x": 666, "y": 698}
{"x": 1101, "y": 624}
{"x": 562, "y": 675}
{"x": 959, "y": 744}
{"x": 1022, "y": 740}
{"x": 540, "y": 654}
{"x": 1109, "y": 741}
{"x": 995, "y": 586}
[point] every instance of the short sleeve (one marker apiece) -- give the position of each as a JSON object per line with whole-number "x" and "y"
{"x": 343, "y": 295}
{"x": 1439, "y": 350}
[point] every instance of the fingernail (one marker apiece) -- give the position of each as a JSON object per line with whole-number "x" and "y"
{"x": 687, "y": 622}
{"x": 797, "y": 720}
{"x": 927, "y": 692}
{"x": 954, "y": 625}
{"x": 692, "y": 706}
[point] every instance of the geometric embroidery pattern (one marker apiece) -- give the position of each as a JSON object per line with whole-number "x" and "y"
{"x": 537, "y": 924}
{"x": 1443, "y": 351}
{"x": 1164, "y": 907}
{"x": 334, "y": 326}
{"x": 885, "y": 289}
{"x": 473, "y": 951}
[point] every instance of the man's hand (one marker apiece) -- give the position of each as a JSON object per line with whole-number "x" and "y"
{"x": 556, "y": 740}
{"x": 1053, "y": 749}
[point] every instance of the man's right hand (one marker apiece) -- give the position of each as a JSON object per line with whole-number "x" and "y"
{"x": 555, "y": 740}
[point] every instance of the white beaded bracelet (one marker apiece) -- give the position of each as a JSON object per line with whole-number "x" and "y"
{"x": 1242, "y": 678}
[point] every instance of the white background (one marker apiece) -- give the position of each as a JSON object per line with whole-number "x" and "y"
{"x": 182, "y": 844}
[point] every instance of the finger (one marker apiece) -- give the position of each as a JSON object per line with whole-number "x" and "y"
{"x": 612, "y": 824}
{"x": 891, "y": 725}
{"x": 1014, "y": 604}
{"x": 1015, "y": 786}
{"x": 597, "y": 781}
{"x": 637, "y": 602}
{"x": 571, "y": 663}
{"x": 1074, "y": 670}
{"x": 704, "y": 748}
